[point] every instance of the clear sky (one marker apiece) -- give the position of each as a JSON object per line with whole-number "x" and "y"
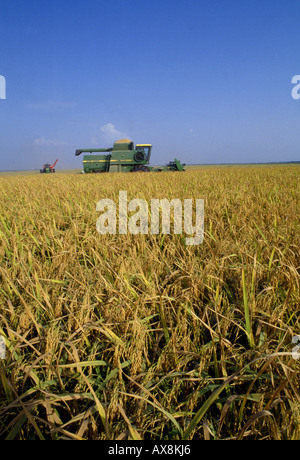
{"x": 206, "y": 81}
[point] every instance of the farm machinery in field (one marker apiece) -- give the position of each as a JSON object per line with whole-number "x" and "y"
{"x": 47, "y": 168}
{"x": 123, "y": 157}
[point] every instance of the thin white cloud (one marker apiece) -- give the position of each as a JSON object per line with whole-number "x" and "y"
{"x": 41, "y": 141}
{"x": 94, "y": 141}
{"x": 51, "y": 105}
{"x": 111, "y": 133}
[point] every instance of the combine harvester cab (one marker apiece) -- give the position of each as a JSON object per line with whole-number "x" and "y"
{"x": 122, "y": 157}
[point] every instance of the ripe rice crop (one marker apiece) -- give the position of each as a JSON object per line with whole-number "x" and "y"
{"x": 140, "y": 336}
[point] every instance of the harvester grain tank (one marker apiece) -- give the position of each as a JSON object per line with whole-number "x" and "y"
{"x": 123, "y": 157}
{"x": 47, "y": 168}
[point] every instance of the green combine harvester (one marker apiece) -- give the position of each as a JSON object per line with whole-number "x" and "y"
{"x": 123, "y": 157}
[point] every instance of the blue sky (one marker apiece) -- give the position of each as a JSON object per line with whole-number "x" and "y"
{"x": 207, "y": 81}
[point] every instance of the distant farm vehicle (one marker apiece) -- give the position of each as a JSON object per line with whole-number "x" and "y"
{"x": 175, "y": 165}
{"x": 123, "y": 157}
{"x": 47, "y": 168}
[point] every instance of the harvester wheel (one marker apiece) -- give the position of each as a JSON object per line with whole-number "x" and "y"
{"x": 141, "y": 169}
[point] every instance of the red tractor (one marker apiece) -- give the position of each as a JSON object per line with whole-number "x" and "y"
{"x": 48, "y": 168}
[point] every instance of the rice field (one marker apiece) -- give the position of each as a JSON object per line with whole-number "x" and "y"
{"x": 115, "y": 337}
